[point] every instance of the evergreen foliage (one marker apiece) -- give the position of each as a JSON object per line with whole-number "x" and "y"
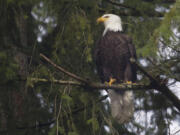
{"x": 66, "y": 32}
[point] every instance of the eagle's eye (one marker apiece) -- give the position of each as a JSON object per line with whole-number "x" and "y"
{"x": 106, "y": 16}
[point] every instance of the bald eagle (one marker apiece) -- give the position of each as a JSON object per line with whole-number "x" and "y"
{"x": 112, "y": 56}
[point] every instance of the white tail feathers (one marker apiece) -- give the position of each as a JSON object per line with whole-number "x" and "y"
{"x": 122, "y": 107}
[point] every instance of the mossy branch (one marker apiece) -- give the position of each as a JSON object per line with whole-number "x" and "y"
{"x": 91, "y": 85}
{"x": 87, "y": 83}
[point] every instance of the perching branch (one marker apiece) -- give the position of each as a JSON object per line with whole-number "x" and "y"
{"x": 88, "y": 84}
{"x": 154, "y": 84}
{"x": 95, "y": 86}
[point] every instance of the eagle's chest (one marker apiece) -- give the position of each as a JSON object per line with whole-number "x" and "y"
{"x": 113, "y": 50}
{"x": 110, "y": 51}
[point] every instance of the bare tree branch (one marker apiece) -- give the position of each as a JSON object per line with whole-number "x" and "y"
{"x": 63, "y": 70}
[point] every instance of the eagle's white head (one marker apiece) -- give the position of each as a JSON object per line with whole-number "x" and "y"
{"x": 111, "y": 22}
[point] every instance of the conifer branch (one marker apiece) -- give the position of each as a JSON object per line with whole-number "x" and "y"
{"x": 161, "y": 87}
{"x": 94, "y": 86}
{"x": 154, "y": 83}
{"x": 87, "y": 83}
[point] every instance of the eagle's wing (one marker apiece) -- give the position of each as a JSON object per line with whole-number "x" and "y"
{"x": 133, "y": 55}
{"x": 98, "y": 61}
{"x": 131, "y": 48}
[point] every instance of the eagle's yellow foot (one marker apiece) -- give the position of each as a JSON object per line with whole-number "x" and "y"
{"x": 111, "y": 81}
{"x": 128, "y": 82}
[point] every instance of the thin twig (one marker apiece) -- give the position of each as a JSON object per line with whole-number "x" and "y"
{"x": 63, "y": 70}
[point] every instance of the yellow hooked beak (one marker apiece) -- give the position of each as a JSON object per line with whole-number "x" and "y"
{"x": 101, "y": 19}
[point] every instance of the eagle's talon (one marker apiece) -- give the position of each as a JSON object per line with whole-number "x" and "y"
{"x": 111, "y": 81}
{"x": 128, "y": 82}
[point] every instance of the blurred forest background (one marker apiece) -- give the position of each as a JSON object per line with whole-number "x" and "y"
{"x": 66, "y": 32}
